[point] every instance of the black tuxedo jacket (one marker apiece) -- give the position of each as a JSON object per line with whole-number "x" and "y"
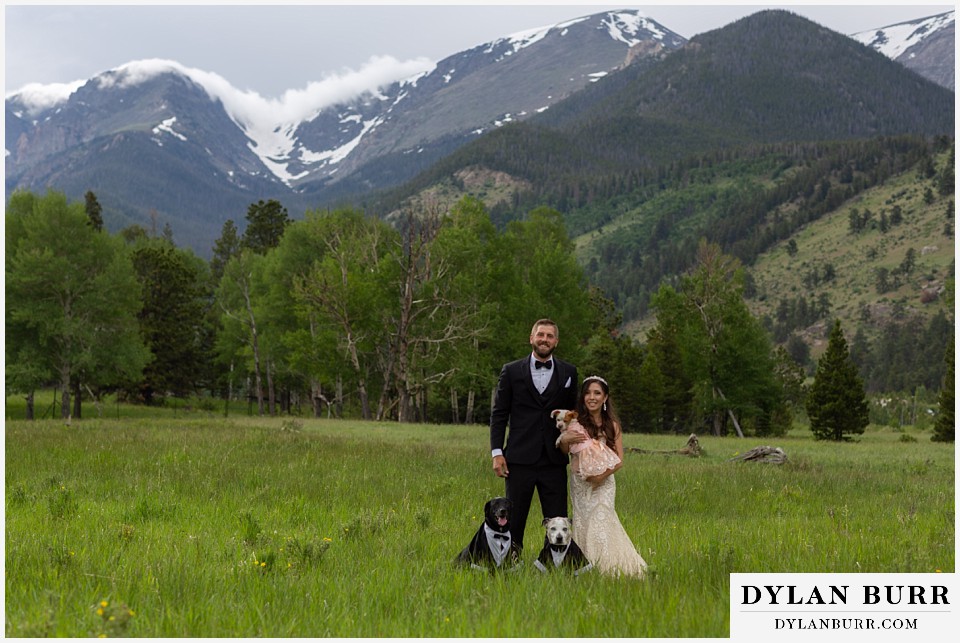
{"x": 518, "y": 403}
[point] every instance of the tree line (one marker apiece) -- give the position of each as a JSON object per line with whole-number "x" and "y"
{"x": 345, "y": 315}
{"x": 341, "y": 312}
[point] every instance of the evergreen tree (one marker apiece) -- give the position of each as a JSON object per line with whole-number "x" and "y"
{"x": 616, "y": 358}
{"x": 664, "y": 347}
{"x": 837, "y": 401}
{"x": 266, "y": 222}
{"x": 725, "y": 351}
{"x": 651, "y": 394}
{"x": 946, "y": 179}
{"x": 224, "y": 249}
{"x": 944, "y": 428}
{"x": 798, "y": 350}
{"x": 174, "y": 284}
{"x": 94, "y": 211}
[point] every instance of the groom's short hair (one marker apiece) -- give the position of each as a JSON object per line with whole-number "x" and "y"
{"x": 545, "y": 322}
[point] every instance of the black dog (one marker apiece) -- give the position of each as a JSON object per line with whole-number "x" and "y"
{"x": 492, "y": 547}
{"x": 559, "y": 548}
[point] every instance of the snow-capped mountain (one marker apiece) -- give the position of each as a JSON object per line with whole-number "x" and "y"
{"x": 158, "y": 141}
{"x": 926, "y": 46}
{"x": 472, "y": 92}
{"x": 305, "y": 136}
{"x": 155, "y": 139}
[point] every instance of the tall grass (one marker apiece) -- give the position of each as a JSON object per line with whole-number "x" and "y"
{"x": 274, "y": 527}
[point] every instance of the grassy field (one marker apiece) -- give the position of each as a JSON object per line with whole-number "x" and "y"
{"x": 243, "y": 527}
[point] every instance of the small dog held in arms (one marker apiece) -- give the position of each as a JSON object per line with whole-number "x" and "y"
{"x": 559, "y": 548}
{"x": 492, "y": 547}
{"x": 591, "y": 457}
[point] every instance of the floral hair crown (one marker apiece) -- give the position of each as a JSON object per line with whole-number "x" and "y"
{"x": 597, "y": 378}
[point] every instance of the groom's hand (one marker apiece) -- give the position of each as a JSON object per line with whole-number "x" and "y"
{"x": 500, "y": 466}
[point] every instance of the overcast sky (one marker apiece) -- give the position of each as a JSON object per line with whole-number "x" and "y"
{"x": 272, "y": 49}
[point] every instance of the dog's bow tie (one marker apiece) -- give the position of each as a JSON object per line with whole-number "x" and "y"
{"x": 502, "y": 536}
{"x": 547, "y": 364}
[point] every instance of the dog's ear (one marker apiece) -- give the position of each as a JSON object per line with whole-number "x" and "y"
{"x": 544, "y": 523}
{"x": 572, "y": 415}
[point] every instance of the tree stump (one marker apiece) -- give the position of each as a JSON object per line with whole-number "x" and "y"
{"x": 691, "y": 449}
{"x": 770, "y": 455}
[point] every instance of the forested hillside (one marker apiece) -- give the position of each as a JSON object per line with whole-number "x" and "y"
{"x": 772, "y": 77}
{"x": 746, "y": 201}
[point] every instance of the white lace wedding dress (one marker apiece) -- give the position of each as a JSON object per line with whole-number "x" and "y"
{"x": 597, "y": 529}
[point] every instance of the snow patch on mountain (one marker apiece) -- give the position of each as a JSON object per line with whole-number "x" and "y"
{"x": 340, "y": 153}
{"x": 894, "y": 40}
{"x": 624, "y": 27}
{"x": 167, "y": 126}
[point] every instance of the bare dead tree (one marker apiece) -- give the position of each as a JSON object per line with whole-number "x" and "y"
{"x": 428, "y": 319}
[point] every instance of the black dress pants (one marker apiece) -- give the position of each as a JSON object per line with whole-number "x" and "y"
{"x": 550, "y": 482}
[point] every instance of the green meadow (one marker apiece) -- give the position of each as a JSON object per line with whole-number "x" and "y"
{"x": 204, "y": 526}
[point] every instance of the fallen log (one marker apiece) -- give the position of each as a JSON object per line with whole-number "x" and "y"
{"x": 692, "y": 448}
{"x": 770, "y": 455}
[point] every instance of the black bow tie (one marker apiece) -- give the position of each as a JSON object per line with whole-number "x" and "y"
{"x": 547, "y": 364}
{"x": 501, "y": 536}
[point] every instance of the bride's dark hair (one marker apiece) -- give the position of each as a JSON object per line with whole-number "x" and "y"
{"x": 608, "y": 416}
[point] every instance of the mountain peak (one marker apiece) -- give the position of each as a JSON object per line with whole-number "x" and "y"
{"x": 34, "y": 98}
{"x": 894, "y": 40}
{"x": 139, "y": 71}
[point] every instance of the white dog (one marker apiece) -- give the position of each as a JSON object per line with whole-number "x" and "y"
{"x": 559, "y": 548}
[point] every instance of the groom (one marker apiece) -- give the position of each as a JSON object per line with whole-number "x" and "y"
{"x": 528, "y": 389}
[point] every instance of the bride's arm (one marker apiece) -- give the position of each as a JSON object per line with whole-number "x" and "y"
{"x": 618, "y": 442}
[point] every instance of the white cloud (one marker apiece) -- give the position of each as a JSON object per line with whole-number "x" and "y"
{"x": 295, "y": 105}
{"x": 37, "y": 97}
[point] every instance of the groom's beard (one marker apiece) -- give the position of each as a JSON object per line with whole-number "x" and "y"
{"x": 543, "y": 352}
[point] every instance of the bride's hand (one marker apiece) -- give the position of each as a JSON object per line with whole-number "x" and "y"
{"x": 596, "y": 480}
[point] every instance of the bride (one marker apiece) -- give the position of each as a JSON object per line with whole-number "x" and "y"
{"x": 596, "y": 527}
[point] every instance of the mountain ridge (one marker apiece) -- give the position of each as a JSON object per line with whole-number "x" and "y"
{"x": 770, "y": 77}
{"x": 230, "y": 164}
{"x": 924, "y": 45}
